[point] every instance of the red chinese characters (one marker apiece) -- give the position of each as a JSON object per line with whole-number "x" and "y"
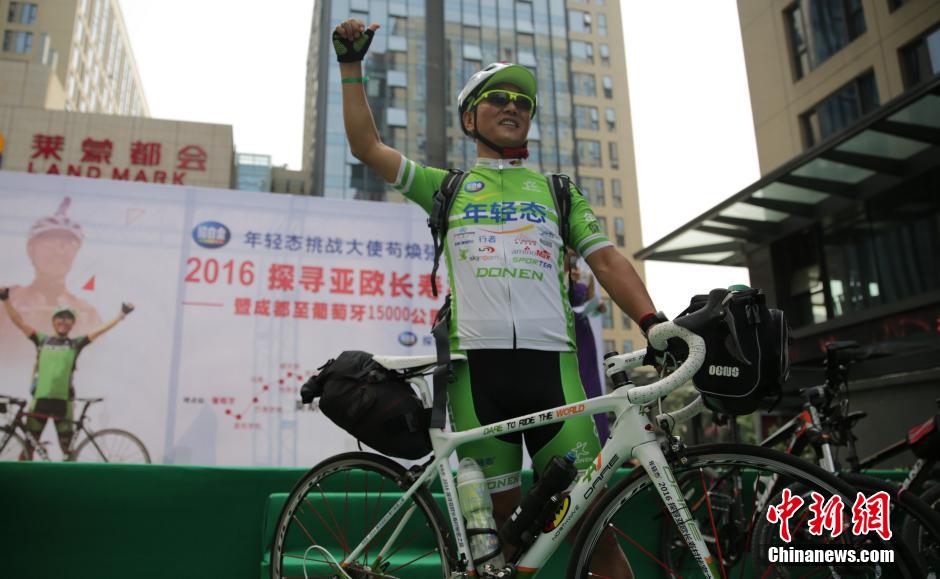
{"x": 827, "y": 515}
{"x": 48, "y": 146}
{"x": 97, "y": 151}
{"x": 146, "y": 154}
{"x": 782, "y": 513}
{"x": 192, "y": 158}
{"x": 869, "y": 514}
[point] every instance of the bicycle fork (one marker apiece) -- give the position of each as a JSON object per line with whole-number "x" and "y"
{"x": 654, "y": 462}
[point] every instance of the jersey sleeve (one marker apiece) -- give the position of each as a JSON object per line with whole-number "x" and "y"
{"x": 81, "y": 342}
{"x": 418, "y": 183}
{"x": 37, "y": 338}
{"x": 584, "y": 228}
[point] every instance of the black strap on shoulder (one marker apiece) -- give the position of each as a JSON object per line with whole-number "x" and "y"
{"x": 442, "y": 203}
{"x": 561, "y": 195}
{"x": 442, "y": 374}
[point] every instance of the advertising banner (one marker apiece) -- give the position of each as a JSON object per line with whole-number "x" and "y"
{"x": 238, "y": 298}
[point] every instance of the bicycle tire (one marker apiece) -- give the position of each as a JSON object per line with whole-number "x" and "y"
{"x": 918, "y": 537}
{"x": 338, "y": 502}
{"x": 111, "y": 445}
{"x": 633, "y": 498}
{"x": 14, "y": 448}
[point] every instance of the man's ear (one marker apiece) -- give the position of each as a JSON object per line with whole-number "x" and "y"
{"x": 468, "y": 121}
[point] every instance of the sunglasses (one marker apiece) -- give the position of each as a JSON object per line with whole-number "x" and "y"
{"x": 500, "y": 98}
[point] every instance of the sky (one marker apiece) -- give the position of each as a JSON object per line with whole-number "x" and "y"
{"x": 243, "y": 64}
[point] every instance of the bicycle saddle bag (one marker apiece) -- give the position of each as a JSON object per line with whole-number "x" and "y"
{"x": 375, "y": 405}
{"x": 747, "y": 356}
{"x": 925, "y": 439}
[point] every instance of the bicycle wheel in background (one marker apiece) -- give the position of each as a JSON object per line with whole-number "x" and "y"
{"x": 918, "y": 538}
{"x": 111, "y": 445}
{"x": 14, "y": 448}
{"x": 634, "y": 503}
{"x": 338, "y": 502}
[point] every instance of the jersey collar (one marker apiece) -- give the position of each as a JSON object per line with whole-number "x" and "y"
{"x": 501, "y": 163}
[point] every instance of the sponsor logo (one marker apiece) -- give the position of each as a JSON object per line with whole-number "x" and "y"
{"x": 524, "y": 240}
{"x": 483, "y": 258}
{"x": 473, "y": 186}
{"x": 589, "y": 217}
{"x": 211, "y": 234}
{"x": 486, "y": 239}
{"x": 729, "y": 371}
{"x": 462, "y": 254}
{"x": 407, "y": 338}
{"x": 560, "y": 515}
{"x": 514, "y": 272}
{"x": 532, "y": 261}
{"x": 577, "y": 409}
{"x": 530, "y": 185}
{"x": 486, "y": 249}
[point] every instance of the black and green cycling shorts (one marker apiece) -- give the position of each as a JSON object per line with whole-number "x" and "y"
{"x": 496, "y": 385}
{"x": 61, "y": 412}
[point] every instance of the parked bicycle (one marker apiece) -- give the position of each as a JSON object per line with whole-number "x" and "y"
{"x": 362, "y": 515}
{"x": 106, "y": 445}
{"x": 824, "y": 424}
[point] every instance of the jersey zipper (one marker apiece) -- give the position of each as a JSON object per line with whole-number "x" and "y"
{"x": 502, "y": 225}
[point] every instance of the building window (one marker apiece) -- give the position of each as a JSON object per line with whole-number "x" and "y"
{"x": 589, "y": 153}
{"x": 524, "y": 17}
{"x": 608, "y": 84}
{"x": 614, "y": 154}
{"x": 581, "y": 51}
{"x": 397, "y": 78}
{"x": 607, "y": 319}
{"x": 627, "y": 324}
{"x": 397, "y": 43}
{"x": 610, "y": 346}
{"x": 602, "y": 222}
{"x": 22, "y": 13}
{"x": 627, "y": 346}
{"x": 605, "y": 55}
{"x": 840, "y": 109}
{"x": 397, "y": 117}
{"x": 611, "y": 119}
{"x": 579, "y": 21}
{"x": 615, "y": 193}
{"x": 17, "y": 41}
{"x": 820, "y": 28}
{"x": 584, "y": 84}
{"x": 472, "y": 52}
{"x": 920, "y": 60}
{"x": 602, "y": 24}
{"x": 585, "y": 117}
{"x": 593, "y": 189}
{"x": 618, "y": 231}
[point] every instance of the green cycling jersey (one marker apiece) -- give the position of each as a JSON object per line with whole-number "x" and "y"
{"x": 504, "y": 254}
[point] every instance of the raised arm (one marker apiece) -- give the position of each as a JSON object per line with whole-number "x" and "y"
{"x": 125, "y": 310}
{"x": 351, "y": 40}
{"x": 15, "y": 316}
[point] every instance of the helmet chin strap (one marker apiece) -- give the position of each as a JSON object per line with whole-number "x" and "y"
{"x": 504, "y": 152}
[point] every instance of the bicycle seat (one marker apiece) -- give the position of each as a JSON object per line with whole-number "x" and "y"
{"x": 411, "y": 362}
{"x": 89, "y": 400}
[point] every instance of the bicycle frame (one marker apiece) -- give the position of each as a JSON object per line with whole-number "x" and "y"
{"x": 19, "y": 424}
{"x": 633, "y": 435}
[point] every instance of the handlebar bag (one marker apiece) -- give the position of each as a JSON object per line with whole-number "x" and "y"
{"x": 747, "y": 356}
{"x": 375, "y": 405}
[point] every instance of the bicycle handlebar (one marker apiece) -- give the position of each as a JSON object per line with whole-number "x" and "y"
{"x": 659, "y": 335}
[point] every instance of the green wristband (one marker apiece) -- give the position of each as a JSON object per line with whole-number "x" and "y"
{"x": 355, "y": 79}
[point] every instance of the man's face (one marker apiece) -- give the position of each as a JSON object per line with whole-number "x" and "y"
{"x": 507, "y": 125}
{"x": 62, "y": 324}
{"x": 52, "y": 252}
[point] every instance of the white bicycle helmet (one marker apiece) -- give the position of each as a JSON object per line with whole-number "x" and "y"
{"x": 58, "y": 222}
{"x": 496, "y": 73}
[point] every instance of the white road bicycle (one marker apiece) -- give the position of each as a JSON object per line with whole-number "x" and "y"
{"x": 361, "y": 515}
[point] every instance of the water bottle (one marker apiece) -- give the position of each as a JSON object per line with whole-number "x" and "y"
{"x": 477, "y": 508}
{"x": 529, "y": 517}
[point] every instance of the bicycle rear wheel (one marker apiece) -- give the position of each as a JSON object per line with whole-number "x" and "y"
{"x": 13, "y": 449}
{"x": 634, "y": 502}
{"x": 111, "y": 445}
{"x": 336, "y": 505}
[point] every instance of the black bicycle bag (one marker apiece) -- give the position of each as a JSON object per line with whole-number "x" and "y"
{"x": 925, "y": 439}
{"x": 375, "y": 405}
{"x": 747, "y": 357}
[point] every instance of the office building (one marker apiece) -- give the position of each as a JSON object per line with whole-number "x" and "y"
{"x": 420, "y": 60}
{"x": 85, "y": 45}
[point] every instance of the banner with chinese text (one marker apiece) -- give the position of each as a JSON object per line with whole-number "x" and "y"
{"x": 239, "y": 297}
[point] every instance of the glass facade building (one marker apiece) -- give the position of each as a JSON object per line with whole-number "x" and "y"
{"x": 400, "y": 89}
{"x": 252, "y": 172}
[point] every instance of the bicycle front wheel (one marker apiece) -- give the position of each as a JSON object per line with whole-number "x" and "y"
{"x": 335, "y": 506}
{"x": 111, "y": 445}
{"x": 13, "y": 449}
{"x": 634, "y": 503}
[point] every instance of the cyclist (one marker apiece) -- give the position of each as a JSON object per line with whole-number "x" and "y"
{"x": 56, "y": 356}
{"x": 509, "y": 313}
